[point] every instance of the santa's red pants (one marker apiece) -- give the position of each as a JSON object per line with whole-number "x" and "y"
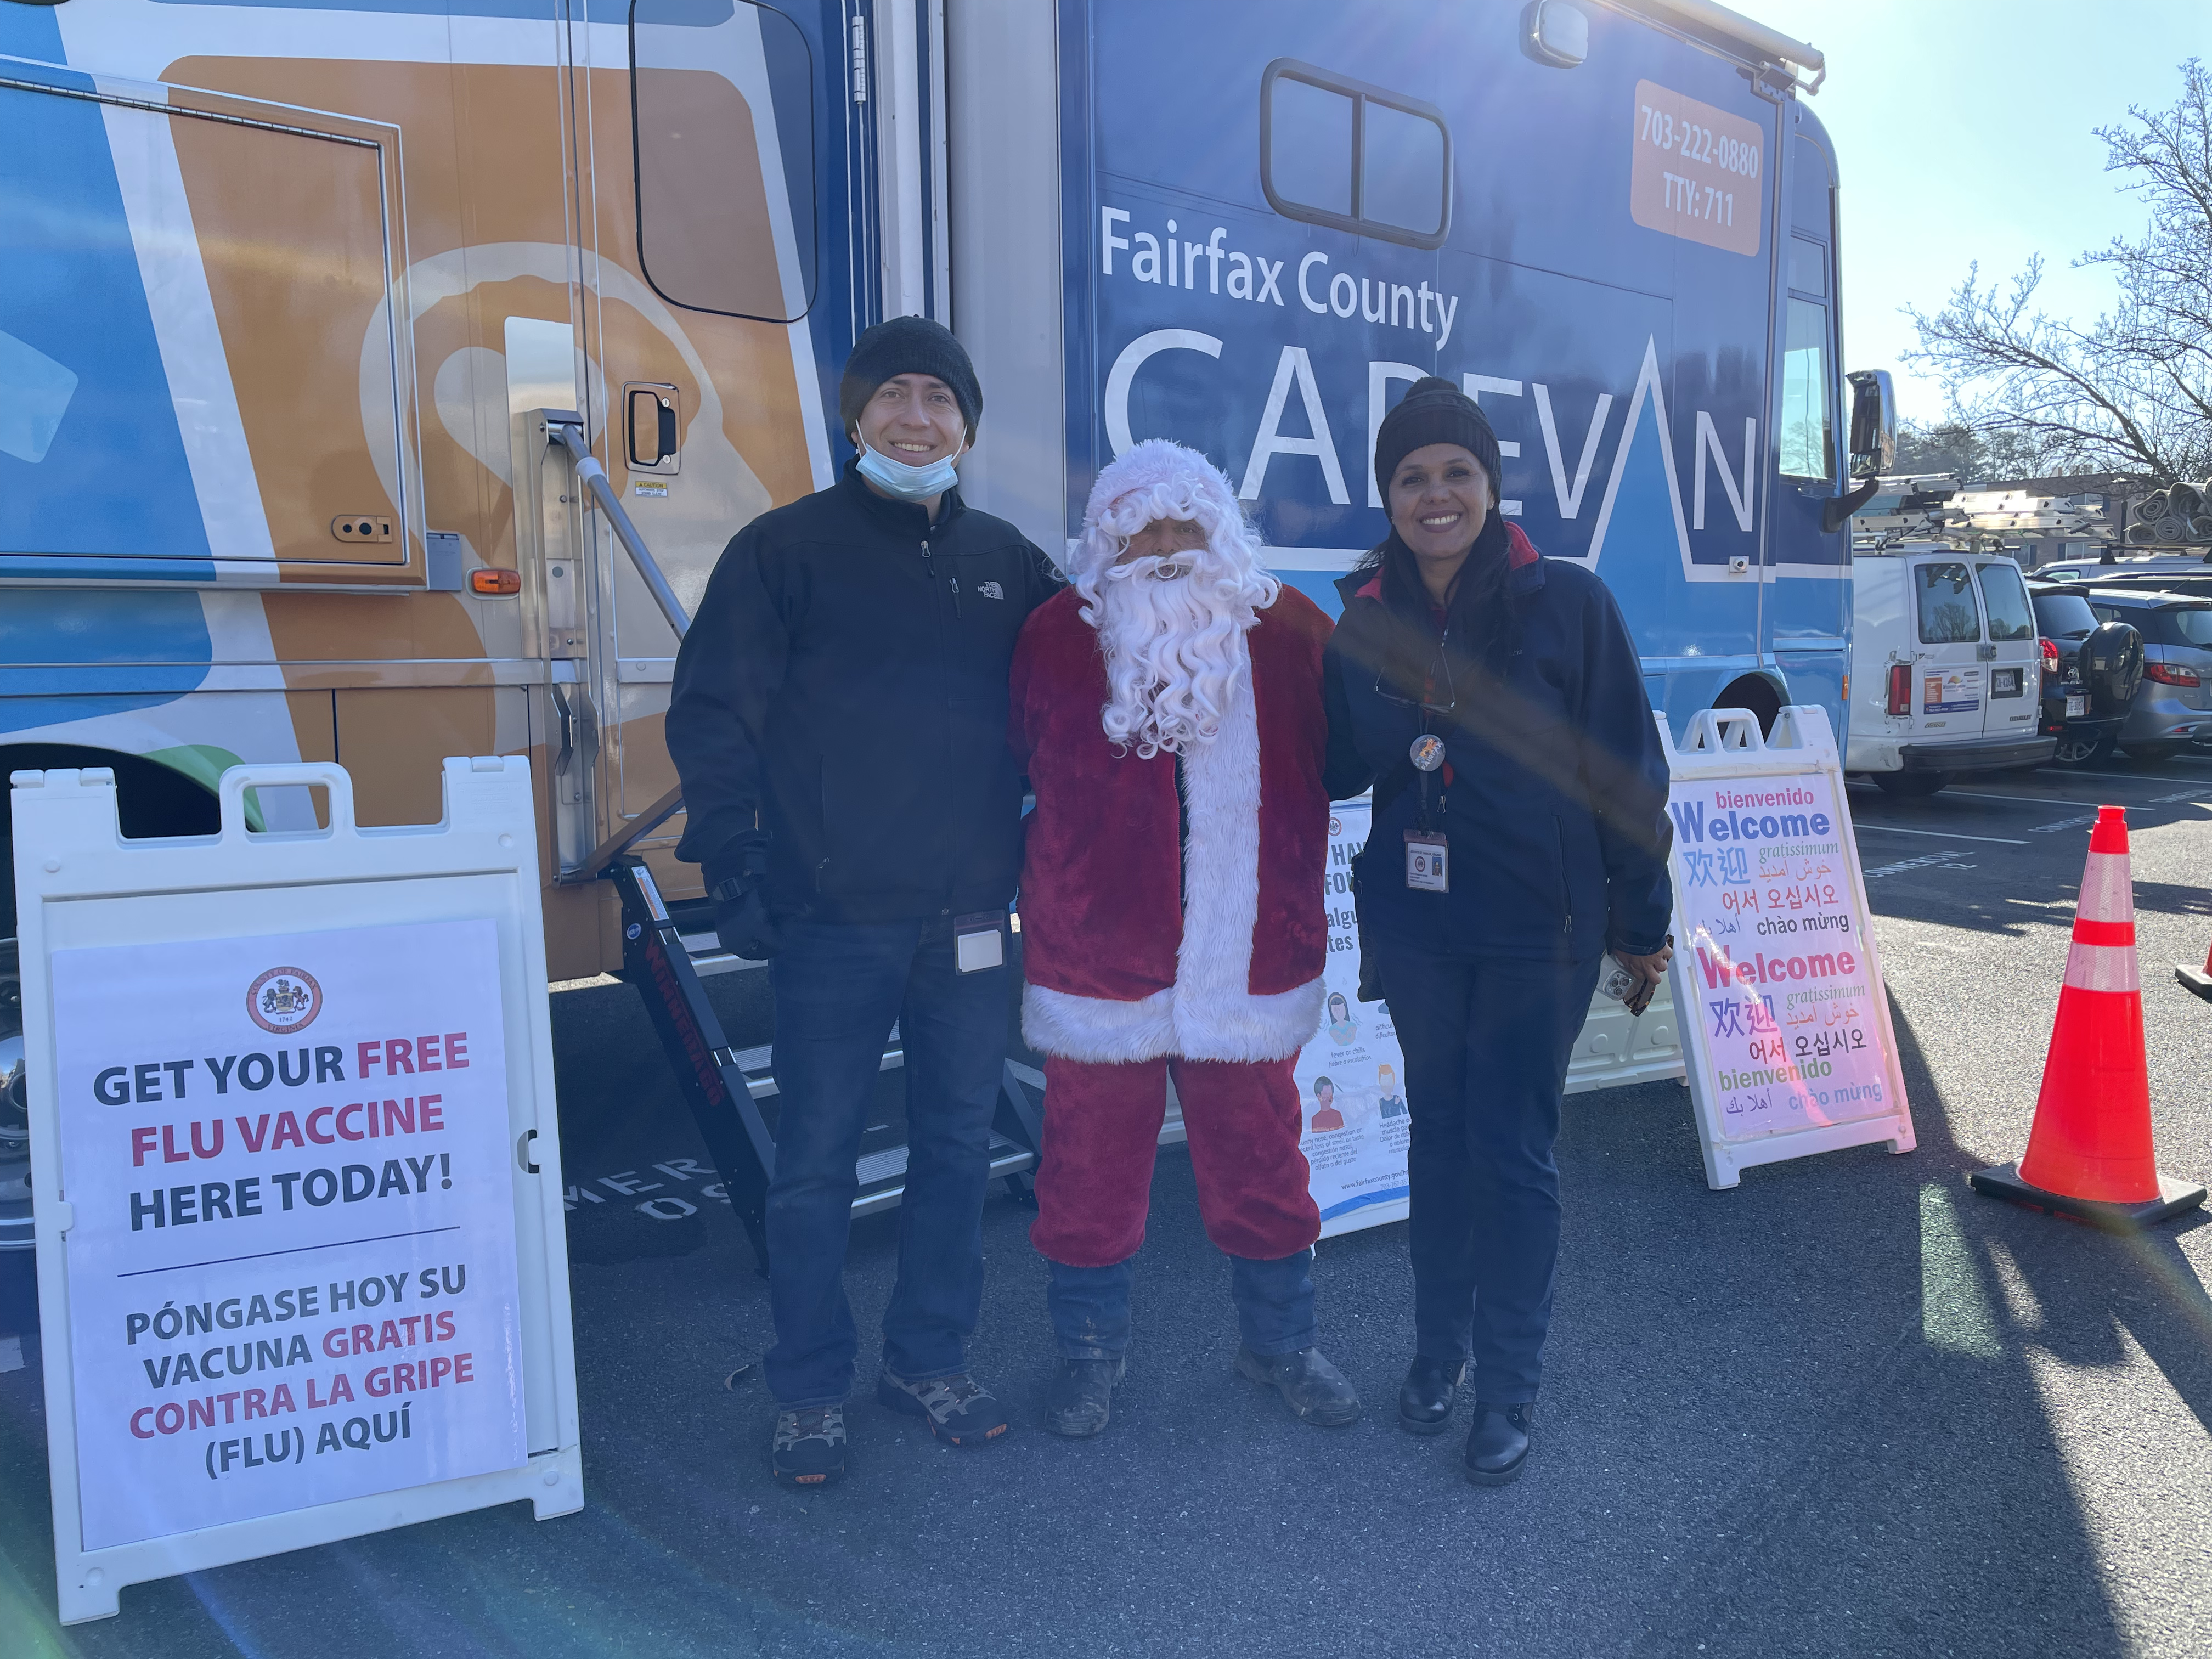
{"x": 1103, "y": 1122}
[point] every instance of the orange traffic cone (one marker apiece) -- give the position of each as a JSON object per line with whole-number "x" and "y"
{"x": 2198, "y": 980}
{"x": 2089, "y": 1154}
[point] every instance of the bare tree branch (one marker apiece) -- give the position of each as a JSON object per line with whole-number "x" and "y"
{"x": 2132, "y": 390}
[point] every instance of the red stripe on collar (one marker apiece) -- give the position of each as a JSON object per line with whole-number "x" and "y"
{"x": 1520, "y": 554}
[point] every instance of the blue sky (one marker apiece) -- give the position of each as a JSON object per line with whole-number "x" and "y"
{"x": 1962, "y": 132}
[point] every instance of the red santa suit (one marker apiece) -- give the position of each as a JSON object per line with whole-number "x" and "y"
{"x": 1172, "y": 931}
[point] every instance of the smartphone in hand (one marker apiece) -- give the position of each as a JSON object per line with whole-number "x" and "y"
{"x": 1624, "y": 988}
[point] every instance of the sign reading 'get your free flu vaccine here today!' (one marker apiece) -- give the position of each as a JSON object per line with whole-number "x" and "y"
{"x": 302, "y": 1272}
{"x": 293, "y": 1270}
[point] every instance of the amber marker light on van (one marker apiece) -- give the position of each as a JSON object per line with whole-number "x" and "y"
{"x": 495, "y": 581}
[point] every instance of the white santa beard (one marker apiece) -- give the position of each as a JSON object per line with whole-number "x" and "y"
{"x": 1175, "y": 653}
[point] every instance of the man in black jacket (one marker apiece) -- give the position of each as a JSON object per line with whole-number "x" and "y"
{"x": 839, "y": 720}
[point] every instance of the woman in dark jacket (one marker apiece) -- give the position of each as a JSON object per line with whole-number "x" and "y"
{"x": 1495, "y": 702}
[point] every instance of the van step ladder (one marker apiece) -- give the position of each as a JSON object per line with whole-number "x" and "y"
{"x": 724, "y": 1085}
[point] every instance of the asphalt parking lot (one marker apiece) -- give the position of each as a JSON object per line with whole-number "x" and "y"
{"x": 1848, "y": 1407}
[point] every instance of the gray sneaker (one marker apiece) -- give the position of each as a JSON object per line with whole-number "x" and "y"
{"x": 958, "y": 1409}
{"x": 808, "y": 1448}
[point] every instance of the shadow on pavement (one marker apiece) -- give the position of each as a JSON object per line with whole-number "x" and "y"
{"x": 1814, "y": 1415}
{"x": 2171, "y": 899}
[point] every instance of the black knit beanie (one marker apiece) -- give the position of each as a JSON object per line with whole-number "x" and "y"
{"x": 1435, "y": 411}
{"x": 910, "y": 345}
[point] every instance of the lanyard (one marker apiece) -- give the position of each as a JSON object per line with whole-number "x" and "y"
{"x": 1427, "y": 750}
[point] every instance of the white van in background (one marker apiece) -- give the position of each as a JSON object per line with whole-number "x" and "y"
{"x": 1945, "y": 669}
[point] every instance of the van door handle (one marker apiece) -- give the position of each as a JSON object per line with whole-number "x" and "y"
{"x": 1986, "y": 652}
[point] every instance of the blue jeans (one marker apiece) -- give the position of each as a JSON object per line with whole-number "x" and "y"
{"x": 1274, "y": 1305}
{"x": 838, "y": 988}
{"x": 1487, "y": 1041}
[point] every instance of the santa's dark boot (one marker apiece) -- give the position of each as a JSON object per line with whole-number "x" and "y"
{"x": 1314, "y": 1390}
{"x": 1079, "y": 1399}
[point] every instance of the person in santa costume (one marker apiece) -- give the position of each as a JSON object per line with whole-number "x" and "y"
{"x": 1167, "y": 707}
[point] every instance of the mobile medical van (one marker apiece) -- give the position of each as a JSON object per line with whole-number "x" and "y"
{"x": 307, "y": 312}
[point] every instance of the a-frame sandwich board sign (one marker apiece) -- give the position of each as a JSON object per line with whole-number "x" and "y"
{"x": 1777, "y": 976}
{"x": 302, "y": 1270}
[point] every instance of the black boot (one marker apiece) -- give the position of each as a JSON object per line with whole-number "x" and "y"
{"x": 1497, "y": 1445}
{"x": 1312, "y": 1388}
{"x": 1080, "y": 1397}
{"x": 1424, "y": 1399}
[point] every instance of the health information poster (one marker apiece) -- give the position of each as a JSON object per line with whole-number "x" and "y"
{"x": 1351, "y": 1076}
{"x": 292, "y": 1266}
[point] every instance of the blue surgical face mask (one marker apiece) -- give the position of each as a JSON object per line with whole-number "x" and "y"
{"x": 911, "y": 483}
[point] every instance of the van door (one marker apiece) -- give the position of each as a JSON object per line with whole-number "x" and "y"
{"x": 1949, "y": 677}
{"x": 697, "y": 135}
{"x": 2013, "y": 665}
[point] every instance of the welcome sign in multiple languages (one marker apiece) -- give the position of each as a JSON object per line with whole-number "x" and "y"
{"x": 1776, "y": 979}
{"x": 292, "y": 1272}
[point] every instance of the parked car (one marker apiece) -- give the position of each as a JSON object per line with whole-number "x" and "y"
{"x": 2168, "y": 574}
{"x": 1945, "y": 669}
{"x": 2091, "y": 671}
{"x": 2173, "y": 707}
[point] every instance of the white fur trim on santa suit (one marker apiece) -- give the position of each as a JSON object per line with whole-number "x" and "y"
{"x": 1210, "y": 1012}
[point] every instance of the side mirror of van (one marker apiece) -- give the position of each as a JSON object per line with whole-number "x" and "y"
{"x": 1873, "y": 423}
{"x": 1874, "y": 444}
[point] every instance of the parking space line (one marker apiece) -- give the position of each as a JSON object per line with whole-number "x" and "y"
{"x": 2121, "y": 777}
{"x": 1925, "y": 862}
{"x": 2062, "y": 802}
{"x": 1939, "y": 835}
{"x": 1957, "y": 794}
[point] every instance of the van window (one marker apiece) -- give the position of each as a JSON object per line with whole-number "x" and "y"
{"x": 1812, "y": 186}
{"x": 1338, "y": 152}
{"x": 1807, "y": 446}
{"x": 722, "y": 125}
{"x": 2006, "y": 600}
{"x": 1808, "y": 267}
{"x": 1310, "y": 145}
{"x": 1402, "y": 163}
{"x": 1947, "y": 615}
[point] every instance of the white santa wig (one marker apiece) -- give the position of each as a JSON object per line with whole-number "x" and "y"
{"x": 1175, "y": 648}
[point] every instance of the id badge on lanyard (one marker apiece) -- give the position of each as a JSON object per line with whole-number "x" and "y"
{"x": 979, "y": 941}
{"x": 1428, "y": 856}
{"x": 1428, "y": 863}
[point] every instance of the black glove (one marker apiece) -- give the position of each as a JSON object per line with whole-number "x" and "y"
{"x": 736, "y": 882}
